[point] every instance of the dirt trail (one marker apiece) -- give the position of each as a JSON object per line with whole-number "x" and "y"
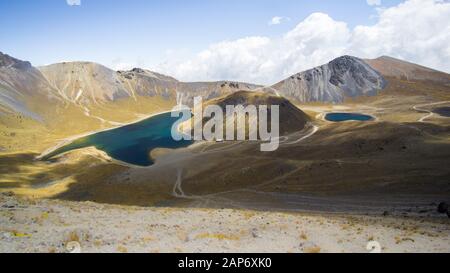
{"x": 419, "y": 108}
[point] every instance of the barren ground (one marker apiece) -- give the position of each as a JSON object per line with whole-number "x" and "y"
{"x": 56, "y": 226}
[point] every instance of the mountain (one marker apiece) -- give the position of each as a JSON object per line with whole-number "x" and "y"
{"x": 84, "y": 83}
{"x": 292, "y": 119}
{"x": 23, "y": 88}
{"x": 99, "y": 91}
{"x": 395, "y": 68}
{"x": 343, "y": 77}
{"x": 90, "y": 83}
{"x": 71, "y": 98}
{"x": 91, "y": 87}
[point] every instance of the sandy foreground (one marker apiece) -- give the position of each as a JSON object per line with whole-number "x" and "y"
{"x": 62, "y": 226}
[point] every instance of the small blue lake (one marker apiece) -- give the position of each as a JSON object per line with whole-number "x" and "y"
{"x": 340, "y": 117}
{"x": 442, "y": 111}
{"x": 131, "y": 143}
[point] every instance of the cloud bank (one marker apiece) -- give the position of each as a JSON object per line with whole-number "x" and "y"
{"x": 415, "y": 30}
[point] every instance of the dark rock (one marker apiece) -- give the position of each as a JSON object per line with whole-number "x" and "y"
{"x": 443, "y": 207}
{"x": 386, "y": 213}
{"x": 448, "y": 214}
{"x": 22, "y": 65}
{"x": 138, "y": 70}
{"x": 8, "y": 61}
{"x": 255, "y": 233}
{"x": 8, "y": 194}
{"x": 9, "y": 205}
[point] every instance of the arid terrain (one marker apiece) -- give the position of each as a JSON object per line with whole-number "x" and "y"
{"x": 60, "y": 226}
{"x": 330, "y": 187}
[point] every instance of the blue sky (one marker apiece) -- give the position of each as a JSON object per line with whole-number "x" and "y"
{"x": 47, "y": 31}
{"x": 150, "y": 32}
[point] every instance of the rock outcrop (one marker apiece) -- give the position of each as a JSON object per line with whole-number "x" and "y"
{"x": 343, "y": 77}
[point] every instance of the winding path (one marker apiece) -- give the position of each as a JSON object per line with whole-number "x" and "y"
{"x": 430, "y": 113}
{"x": 178, "y": 192}
{"x": 308, "y": 132}
{"x": 314, "y": 130}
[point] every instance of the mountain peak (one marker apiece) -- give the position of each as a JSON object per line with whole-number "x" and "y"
{"x": 129, "y": 74}
{"x": 75, "y": 64}
{"x": 8, "y": 61}
{"x": 345, "y": 76}
{"x": 346, "y": 57}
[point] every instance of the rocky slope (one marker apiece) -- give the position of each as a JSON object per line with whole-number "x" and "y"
{"x": 84, "y": 83}
{"x": 395, "y": 68}
{"x": 29, "y": 91}
{"x": 90, "y": 83}
{"x": 23, "y": 88}
{"x": 343, "y": 77}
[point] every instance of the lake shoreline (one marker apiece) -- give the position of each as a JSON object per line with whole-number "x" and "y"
{"x": 348, "y": 117}
{"x": 69, "y": 140}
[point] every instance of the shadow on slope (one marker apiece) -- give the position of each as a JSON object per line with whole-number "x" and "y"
{"x": 342, "y": 168}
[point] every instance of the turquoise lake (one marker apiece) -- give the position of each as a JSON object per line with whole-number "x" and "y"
{"x": 131, "y": 143}
{"x": 339, "y": 117}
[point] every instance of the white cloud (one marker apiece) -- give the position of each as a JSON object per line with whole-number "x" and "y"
{"x": 277, "y": 20}
{"x": 225, "y": 60}
{"x": 373, "y": 2}
{"x": 416, "y": 30}
{"x": 73, "y": 2}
